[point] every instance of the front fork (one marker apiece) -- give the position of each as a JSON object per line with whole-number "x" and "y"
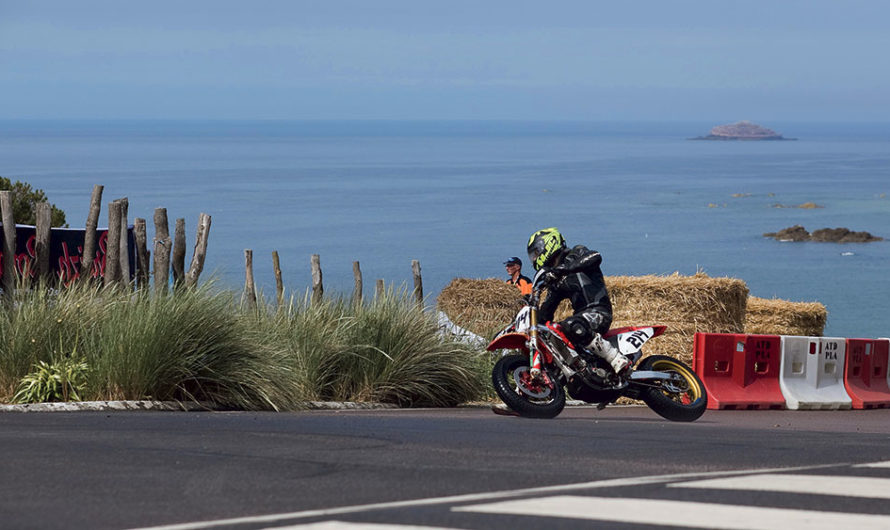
{"x": 534, "y": 353}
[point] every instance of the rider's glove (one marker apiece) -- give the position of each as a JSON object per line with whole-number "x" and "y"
{"x": 550, "y": 276}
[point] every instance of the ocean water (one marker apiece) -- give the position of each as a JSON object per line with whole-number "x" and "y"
{"x": 461, "y": 197}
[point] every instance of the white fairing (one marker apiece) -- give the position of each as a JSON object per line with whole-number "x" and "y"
{"x": 523, "y": 320}
{"x": 630, "y": 342}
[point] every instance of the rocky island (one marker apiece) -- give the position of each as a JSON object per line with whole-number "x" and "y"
{"x": 824, "y": 235}
{"x": 743, "y": 130}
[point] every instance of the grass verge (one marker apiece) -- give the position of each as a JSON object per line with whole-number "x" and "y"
{"x": 198, "y": 345}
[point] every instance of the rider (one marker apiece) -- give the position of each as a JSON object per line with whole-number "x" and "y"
{"x": 575, "y": 274}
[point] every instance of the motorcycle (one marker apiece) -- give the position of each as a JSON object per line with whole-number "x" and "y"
{"x": 533, "y": 383}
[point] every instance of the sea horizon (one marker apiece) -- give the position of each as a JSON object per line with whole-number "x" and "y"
{"x": 461, "y": 196}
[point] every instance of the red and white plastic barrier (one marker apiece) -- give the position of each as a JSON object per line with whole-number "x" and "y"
{"x": 739, "y": 371}
{"x": 743, "y": 371}
{"x": 812, "y": 374}
{"x": 865, "y": 374}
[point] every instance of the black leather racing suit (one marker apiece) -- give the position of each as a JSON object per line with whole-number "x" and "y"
{"x": 583, "y": 285}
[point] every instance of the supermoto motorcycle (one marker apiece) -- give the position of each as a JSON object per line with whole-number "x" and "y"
{"x": 533, "y": 383}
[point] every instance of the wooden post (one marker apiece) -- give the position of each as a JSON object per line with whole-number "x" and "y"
{"x": 43, "y": 213}
{"x": 179, "y": 253}
{"x": 124, "y": 246}
{"x": 6, "y": 217}
{"x": 317, "y": 285}
{"x": 279, "y": 284}
{"x": 381, "y": 289}
{"x": 142, "y": 267}
{"x": 89, "y": 234}
{"x": 112, "y": 245}
{"x": 357, "y": 291}
{"x": 418, "y": 283}
{"x": 249, "y": 295}
{"x": 161, "y": 251}
{"x": 200, "y": 253}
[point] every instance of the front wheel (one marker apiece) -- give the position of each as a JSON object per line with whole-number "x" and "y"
{"x": 682, "y": 397}
{"x": 529, "y": 397}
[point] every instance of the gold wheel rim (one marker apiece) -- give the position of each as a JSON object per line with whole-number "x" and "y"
{"x": 693, "y": 390}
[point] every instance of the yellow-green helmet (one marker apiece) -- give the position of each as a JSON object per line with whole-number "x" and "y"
{"x": 543, "y": 245}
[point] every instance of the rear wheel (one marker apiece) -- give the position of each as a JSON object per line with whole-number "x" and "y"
{"x": 530, "y": 397}
{"x": 682, "y": 397}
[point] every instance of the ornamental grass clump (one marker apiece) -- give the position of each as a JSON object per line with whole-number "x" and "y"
{"x": 310, "y": 335}
{"x": 396, "y": 355}
{"x": 198, "y": 345}
{"x": 191, "y": 346}
{"x": 37, "y": 325}
{"x": 387, "y": 350}
{"x": 188, "y": 346}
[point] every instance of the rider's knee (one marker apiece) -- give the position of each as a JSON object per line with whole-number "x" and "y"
{"x": 578, "y": 330}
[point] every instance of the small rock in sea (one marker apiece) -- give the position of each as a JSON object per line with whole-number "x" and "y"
{"x": 794, "y": 233}
{"x": 743, "y": 130}
{"x": 823, "y": 235}
{"x": 804, "y": 206}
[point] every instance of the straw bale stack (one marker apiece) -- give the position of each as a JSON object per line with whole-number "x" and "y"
{"x": 481, "y": 306}
{"x": 685, "y": 304}
{"x": 780, "y": 317}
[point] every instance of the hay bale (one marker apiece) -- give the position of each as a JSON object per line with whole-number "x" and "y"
{"x": 481, "y": 306}
{"x": 780, "y": 317}
{"x": 685, "y": 304}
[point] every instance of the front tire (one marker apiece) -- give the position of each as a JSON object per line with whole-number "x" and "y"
{"x": 532, "y": 399}
{"x": 681, "y": 398}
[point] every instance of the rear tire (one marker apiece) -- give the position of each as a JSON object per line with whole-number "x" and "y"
{"x": 682, "y": 398}
{"x": 510, "y": 378}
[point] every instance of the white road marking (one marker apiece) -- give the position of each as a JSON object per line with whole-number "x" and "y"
{"x": 472, "y": 497}
{"x": 885, "y": 464}
{"x": 869, "y": 487}
{"x": 679, "y": 513}
{"x": 343, "y": 525}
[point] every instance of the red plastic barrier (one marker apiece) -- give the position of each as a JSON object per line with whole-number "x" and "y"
{"x": 739, "y": 371}
{"x": 865, "y": 373}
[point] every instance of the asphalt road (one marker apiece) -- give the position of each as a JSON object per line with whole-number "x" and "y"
{"x": 143, "y": 469}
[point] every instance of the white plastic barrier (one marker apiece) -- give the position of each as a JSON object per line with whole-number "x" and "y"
{"x": 812, "y": 373}
{"x": 446, "y": 326}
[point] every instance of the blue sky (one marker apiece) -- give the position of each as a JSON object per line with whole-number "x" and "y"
{"x": 767, "y": 61}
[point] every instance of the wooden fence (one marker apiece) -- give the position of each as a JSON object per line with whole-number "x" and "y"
{"x": 111, "y": 265}
{"x": 249, "y": 297}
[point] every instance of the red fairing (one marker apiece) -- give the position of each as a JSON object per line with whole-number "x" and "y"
{"x": 657, "y": 330}
{"x": 555, "y": 328}
{"x": 510, "y": 341}
{"x": 518, "y": 341}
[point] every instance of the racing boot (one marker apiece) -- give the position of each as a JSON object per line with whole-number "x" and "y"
{"x": 603, "y": 348}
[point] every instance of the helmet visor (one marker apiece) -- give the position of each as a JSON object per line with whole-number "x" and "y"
{"x": 535, "y": 250}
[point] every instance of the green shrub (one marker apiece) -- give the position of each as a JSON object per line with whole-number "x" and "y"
{"x": 23, "y": 200}
{"x": 62, "y": 380}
